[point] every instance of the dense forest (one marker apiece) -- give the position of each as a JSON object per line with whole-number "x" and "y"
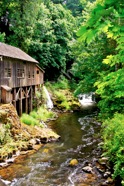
{"x": 82, "y": 39}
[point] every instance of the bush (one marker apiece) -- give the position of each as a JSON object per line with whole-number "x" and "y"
{"x": 60, "y": 96}
{"x": 113, "y": 136}
{"x": 29, "y": 120}
{"x": 65, "y": 105}
{"x": 34, "y": 114}
{"x": 62, "y": 83}
{"x": 45, "y": 114}
{"x": 36, "y": 117}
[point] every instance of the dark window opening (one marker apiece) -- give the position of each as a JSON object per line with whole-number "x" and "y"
{"x": 7, "y": 72}
{"x": 20, "y": 73}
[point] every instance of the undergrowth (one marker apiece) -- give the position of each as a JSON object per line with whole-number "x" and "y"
{"x": 113, "y": 136}
{"x": 62, "y": 93}
{"x": 36, "y": 117}
{"x": 5, "y": 135}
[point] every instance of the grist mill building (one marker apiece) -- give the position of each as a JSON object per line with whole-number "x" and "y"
{"x": 20, "y": 78}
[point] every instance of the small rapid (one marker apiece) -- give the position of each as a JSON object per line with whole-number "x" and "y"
{"x": 50, "y": 165}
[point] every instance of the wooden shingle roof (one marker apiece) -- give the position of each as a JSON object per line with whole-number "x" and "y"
{"x": 14, "y": 52}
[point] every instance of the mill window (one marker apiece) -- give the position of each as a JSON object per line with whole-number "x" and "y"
{"x": 7, "y": 72}
{"x": 20, "y": 73}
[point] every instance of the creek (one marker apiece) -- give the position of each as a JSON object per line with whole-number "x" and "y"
{"x": 50, "y": 165}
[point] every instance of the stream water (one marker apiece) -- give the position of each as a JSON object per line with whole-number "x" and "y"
{"x": 50, "y": 165}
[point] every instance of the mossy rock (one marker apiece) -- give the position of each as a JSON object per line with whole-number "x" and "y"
{"x": 3, "y": 116}
{"x": 46, "y": 151}
{"x": 73, "y": 162}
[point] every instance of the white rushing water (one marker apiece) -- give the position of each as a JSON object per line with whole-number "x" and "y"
{"x": 87, "y": 99}
{"x": 49, "y": 102}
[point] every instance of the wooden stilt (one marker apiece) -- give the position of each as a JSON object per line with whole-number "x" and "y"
{"x": 35, "y": 98}
{"x": 26, "y": 100}
{"x": 20, "y": 101}
{"x": 14, "y": 97}
{"x": 30, "y": 100}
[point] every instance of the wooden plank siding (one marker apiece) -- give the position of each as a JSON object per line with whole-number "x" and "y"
{"x": 32, "y": 75}
{"x": 20, "y": 78}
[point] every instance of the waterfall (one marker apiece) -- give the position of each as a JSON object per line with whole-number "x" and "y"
{"x": 49, "y": 102}
{"x": 87, "y": 99}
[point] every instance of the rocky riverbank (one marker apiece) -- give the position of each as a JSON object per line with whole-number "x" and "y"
{"x": 17, "y": 138}
{"x": 95, "y": 172}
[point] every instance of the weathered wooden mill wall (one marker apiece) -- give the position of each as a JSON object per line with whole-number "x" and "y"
{"x": 20, "y": 78}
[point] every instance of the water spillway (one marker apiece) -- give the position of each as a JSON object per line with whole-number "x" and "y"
{"x": 49, "y": 103}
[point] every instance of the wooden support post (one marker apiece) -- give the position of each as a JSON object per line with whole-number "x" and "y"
{"x": 14, "y": 97}
{"x": 30, "y": 99}
{"x": 35, "y": 98}
{"x": 20, "y": 101}
{"x": 26, "y": 100}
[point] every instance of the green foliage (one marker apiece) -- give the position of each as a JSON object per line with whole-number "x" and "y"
{"x": 36, "y": 117}
{"x": 105, "y": 19}
{"x": 111, "y": 90}
{"x": 62, "y": 100}
{"x": 62, "y": 83}
{"x": 29, "y": 120}
{"x": 54, "y": 31}
{"x": 44, "y": 30}
{"x": 113, "y": 136}
{"x": 62, "y": 94}
{"x": 2, "y": 37}
{"x": 18, "y": 25}
{"x": 8, "y": 149}
{"x": 87, "y": 66}
{"x": 65, "y": 105}
{"x": 5, "y": 135}
{"x": 45, "y": 114}
{"x": 75, "y": 6}
{"x": 11, "y": 147}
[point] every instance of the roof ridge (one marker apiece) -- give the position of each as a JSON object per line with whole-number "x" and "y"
{"x": 15, "y": 52}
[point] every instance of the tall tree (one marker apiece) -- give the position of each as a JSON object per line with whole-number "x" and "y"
{"x": 87, "y": 66}
{"x": 76, "y": 6}
{"x": 18, "y": 20}
{"x": 51, "y": 40}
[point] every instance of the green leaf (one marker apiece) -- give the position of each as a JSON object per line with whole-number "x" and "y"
{"x": 81, "y": 31}
{"x": 108, "y": 59}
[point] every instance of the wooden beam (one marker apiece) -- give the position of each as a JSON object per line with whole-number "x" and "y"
{"x": 30, "y": 99}
{"x": 26, "y": 100}
{"x": 14, "y": 97}
{"x": 20, "y": 101}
